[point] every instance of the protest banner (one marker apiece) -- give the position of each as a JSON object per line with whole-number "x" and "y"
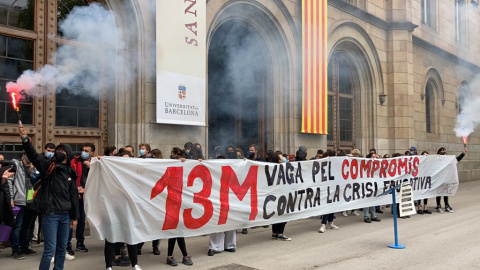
{"x": 134, "y": 200}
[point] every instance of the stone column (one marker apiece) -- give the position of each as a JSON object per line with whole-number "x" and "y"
{"x": 400, "y": 75}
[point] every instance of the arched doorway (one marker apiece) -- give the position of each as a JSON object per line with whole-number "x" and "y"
{"x": 240, "y": 81}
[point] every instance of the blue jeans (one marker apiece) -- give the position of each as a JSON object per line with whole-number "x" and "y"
{"x": 80, "y": 227}
{"x": 327, "y": 217}
{"x": 371, "y": 209}
{"x": 55, "y": 234}
{"x": 15, "y": 236}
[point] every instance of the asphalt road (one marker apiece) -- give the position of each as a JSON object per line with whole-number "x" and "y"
{"x": 437, "y": 241}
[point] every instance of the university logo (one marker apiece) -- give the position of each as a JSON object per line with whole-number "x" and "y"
{"x": 182, "y": 92}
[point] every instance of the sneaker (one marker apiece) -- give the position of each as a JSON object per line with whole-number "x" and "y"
{"x": 244, "y": 231}
{"x": 211, "y": 252}
{"x": 17, "y": 256}
{"x": 121, "y": 261}
{"x": 344, "y": 213}
{"x": 69, "y": 257}
{"x": 187, "y": 260}
{"x": 427, "y": 212}
{"x": 82, "y": 248}
{"x": 29, "y": 252}
{"x": 137, "y": 267}
{"x": 156, "y": 251}
{"x": 322, "y": 229}
{"x": 367, "y": 220}
{"x": 109, "y": 268}
{"x": 283, "y": 237}
{"x": 332, "y": 226}
{"x": 448, "y": 209}
{"x": 376, "y": 219}
{"x": 420, "y": 212}
{"x": 230, "y": 249}
{"x": 274, "y": 235}
{"x": 70, "y": 251}
{"x": 379, "y": 211}
{"x": 171, "y": 261}
{"x": 439, "y": 209}
{"x": 355, "y": 213}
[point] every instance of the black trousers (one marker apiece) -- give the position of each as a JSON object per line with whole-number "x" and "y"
{"x": 445, "y": 199}
{"x": 278, "y": 228}
{"x": 111, "y": 248}
{"x": 181, "y": 245}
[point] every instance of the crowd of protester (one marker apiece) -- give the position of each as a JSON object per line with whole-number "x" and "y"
{"x": 60, "y": 210}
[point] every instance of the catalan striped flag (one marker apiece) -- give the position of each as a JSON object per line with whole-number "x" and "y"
{"x": 314, "y": 61}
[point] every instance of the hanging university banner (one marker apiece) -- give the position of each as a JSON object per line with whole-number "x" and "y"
{"x": 135, "y": 200}
{"x": 314, "y": 67}
{"x": 181, "y": 61}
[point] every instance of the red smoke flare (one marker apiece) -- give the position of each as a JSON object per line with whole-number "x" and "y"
{"x": 465, "y": 140}
{"x": 14, "y": 100}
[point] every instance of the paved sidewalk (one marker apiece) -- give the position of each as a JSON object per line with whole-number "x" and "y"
{"x": 437, "y": 241}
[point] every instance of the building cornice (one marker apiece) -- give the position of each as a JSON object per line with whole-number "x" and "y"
{"x": 374, "y": 20}
{"x": 443, "y": 53}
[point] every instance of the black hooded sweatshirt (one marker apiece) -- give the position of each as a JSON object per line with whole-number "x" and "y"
{"x": 58, "y": 193}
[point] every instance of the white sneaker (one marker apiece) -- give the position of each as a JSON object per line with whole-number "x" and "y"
{"x": 322, "y": 229}
{"x": 344, "y": 213}
{"x": 332, "y": 226}
{"x": 69, "y": 257}
{"x": 448, "y": 209}
{"x": 439, "y": 210}
{"x": 137, "y": 267}
{"x": 355, "y": 213}
{"x": 109, "y": 268}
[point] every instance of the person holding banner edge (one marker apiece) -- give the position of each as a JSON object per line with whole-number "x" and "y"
{"x": 448, "y": 208}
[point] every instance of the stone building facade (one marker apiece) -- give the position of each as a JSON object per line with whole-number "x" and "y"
{"x": 396, "y": 69}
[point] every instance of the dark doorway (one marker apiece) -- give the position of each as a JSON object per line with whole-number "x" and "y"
{"x": 239, "y": 81}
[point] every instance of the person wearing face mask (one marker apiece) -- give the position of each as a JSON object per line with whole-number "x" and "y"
{"x": 278, "y": 228}
{"x": 144, "y": 150}
{"x": 49, "y": 150}
{"x": 231, "y": 154}
{"x": 198, "y": 147}
{"x": 56, "y": 199}
{"x": 81, "y": 164}
{"x": 448, "y": 208}
{"x": 189, "y": 151}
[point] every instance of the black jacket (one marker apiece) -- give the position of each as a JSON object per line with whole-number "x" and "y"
{"x": 460, "y": 157}
{"x": 58, "y": 193}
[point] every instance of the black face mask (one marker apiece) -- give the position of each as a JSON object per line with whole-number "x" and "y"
{"x": 231, "y": 155}
{"x": 199, "y": 151}
{"x": 251, "y": 155}
{"x": 59, "y": 157}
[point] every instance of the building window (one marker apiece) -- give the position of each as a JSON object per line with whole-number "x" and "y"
{"x": 11, "y": 150}
{"x": 341, "y": 77}
{"x": 64, "y": 7}
{"x": 75, "y": 108}
{"x": 17, "y": 13}
{"x": 428, "y": 13}
{"x": 430, "y": 106}
{"x": 16, "y": 55}
{"x": 460, "y": 21}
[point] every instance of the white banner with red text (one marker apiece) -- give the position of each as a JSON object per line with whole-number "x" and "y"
{"x": 181, "y": 35}
{"x": 135, "y": 200}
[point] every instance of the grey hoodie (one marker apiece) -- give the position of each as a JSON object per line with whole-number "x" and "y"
{"x": 19, "y": 184}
